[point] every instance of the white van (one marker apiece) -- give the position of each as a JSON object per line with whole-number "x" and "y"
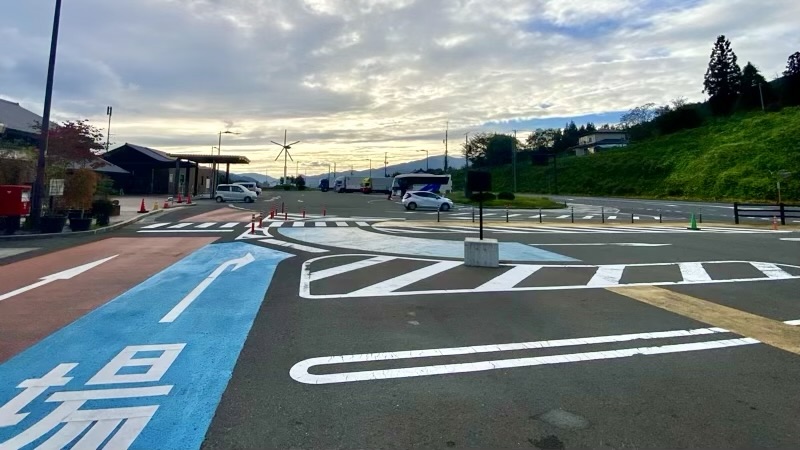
{"x": 250, "y": 185}
{"x": 234, "y": 193}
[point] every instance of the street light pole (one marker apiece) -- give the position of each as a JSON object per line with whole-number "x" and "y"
{"x": 446, "y": 130}
{"x": 514, "y": 159}
{"x": 109, "y": 111}
{"x": 385, "y": 164}
{"x": 38, "y": 186}
{"x": 427, "y": 164}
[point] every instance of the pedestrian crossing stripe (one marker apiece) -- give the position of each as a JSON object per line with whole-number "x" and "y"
{"x": 538, "y": 229}
{"x": 223, "y": 227}
{"x": 523, "y": 277}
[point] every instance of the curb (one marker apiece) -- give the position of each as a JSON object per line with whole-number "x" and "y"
{"x": 114, "y": 227}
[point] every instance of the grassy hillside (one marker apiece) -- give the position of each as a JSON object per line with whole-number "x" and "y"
{"x": 728, "y": 158}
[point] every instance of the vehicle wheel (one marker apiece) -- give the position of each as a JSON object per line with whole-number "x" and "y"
{"x": 248, "y": 200}
{"x": 219, "y": 199}
{"x": 445, "y": 207}
{"x": 412, "y": 206}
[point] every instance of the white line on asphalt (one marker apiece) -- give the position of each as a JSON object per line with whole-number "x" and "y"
{"x": 614, "y": 244}
{"x": 320, "y": 224}
{"x": 612, "y": 217}
{"x": 404, "y": 280}
{"x": 302, "y": 248}
{"x": 299, "y": 224}
{"x": 694, "y": 272}
{"x": 275, "y": 224}
{"x": 300, "y": 371}
{"x": 156, "y": 225}
{"x": 230, "y": 225}
{"x": 791, "y": 239}
{"x": 565, "y": 216}
{"x": 514, "y": 215}
{"x": 322, "y": 274}
{"x": 181, "y": 225}
{"x": 587, "y": 217}
{"x": 772, "y": 271}
{"x": 362, "y": 224}
{"x": 341, "y": 224}
{"x": 607, "y": 276}
{"x": 206, "y": 225}
{"x": 509, "y": 279}
{"x": 185, "y": 231}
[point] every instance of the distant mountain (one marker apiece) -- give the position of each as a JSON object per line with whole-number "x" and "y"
{"x": 257, "y": 177}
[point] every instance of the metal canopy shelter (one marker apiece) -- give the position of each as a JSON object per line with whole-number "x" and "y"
{"x": 214, "y": 160}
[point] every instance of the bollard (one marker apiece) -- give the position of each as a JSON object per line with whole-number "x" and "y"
{"x": 506, "y": 214}
{"x": 282, "y": 208}
{"x": 573, "y": 214}
{"x": 473, "y": 214}
{"x": 271, "y": 213}
{"x": 304, "y": 213}
{"x": 631, "y": 217}
{"x": 324, "y": 212}
{"x": 260, "y": 221}
{"x": 437, "y": 214}
{"x": 701, "y": 217}
{"x": 252, "y": 227}
{"x": 540, "y": 215}
{"x": 660, "y": 218}
{"x": 603, "y": 214}
{"x": 286, "y": 216}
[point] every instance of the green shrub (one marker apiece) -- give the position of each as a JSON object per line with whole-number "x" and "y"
{"x": 506, "y": 196}
{"x": 486, "y": 196}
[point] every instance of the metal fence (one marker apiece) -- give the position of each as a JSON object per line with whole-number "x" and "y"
{"x": 780, "y": 210}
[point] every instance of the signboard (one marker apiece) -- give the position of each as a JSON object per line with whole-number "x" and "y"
{"x": 208, "y": 183}
{"x": 56, "y": 187}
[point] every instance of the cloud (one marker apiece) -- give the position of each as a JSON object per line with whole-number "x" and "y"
{"x": 381, "y": 74}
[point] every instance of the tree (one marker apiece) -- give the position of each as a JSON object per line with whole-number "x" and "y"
{"x": 300, "y": 182}
{"x": 638, "y": 115}
{"x": 723, "y": 78}
{"x": 489, "y": 150}
{"x": 79, "y": 188}
{"x": 753, "y": 84}
{"x": 793, "y": 65}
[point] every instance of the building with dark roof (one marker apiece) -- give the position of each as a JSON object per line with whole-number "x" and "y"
{"x": 18, "y": 123}
{"x": 599, "y": 141}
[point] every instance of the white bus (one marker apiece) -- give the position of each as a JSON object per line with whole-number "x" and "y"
{"x": 442, "y": 184}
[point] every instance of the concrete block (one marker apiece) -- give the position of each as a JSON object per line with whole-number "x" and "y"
{"x": 481, "y": 253}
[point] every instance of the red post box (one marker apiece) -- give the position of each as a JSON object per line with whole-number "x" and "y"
{"x": 15, "y": 200}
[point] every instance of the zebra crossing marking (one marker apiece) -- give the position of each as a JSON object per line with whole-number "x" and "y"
{"x": 230, "y": 225}
{"x": 180, "y": 225}
{"x": 292, "y": 245}
{"x": 540, "y": 229}
{"x": 156, "y": 225}
{"x": 206, "y": 225}
{"x": 605, "y": 276}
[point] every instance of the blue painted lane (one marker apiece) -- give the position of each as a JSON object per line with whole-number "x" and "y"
{"x": 358, "y": 239}
{"x": 146, "y": 370}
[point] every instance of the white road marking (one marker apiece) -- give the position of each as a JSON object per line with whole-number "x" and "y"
{"x": 362, "y": 224}
{"x": 612, "y": 217}
{"x": 694, "y": 272}
{"x": 607, "y": 276}
{"x": 156, "y": 225}
{"x": 341, "y": 224}
{"x": 299, "y": 224}
{"x": 181, "y": 225}
{"x": 509, "y": 279}
{"x": 404, "y": 280}
{"x": 185, "y": 302}
{"x": 772, "y": 271}
{"x": 514, "y": 215}
{"x": 302, "y": 248}
{"x": 320, "y": 224}
{"x": 615, "y": 244}
{"x": 322, "y": 274}
{"x": 791, "y": 239}
{"x": 63, "y": 275}
{"x": 275, "y": 224}
{"x": 230, "y": 224}
{"x": 206, "y": 225}
{"x": 185, "y": 231}
{"x": 565, "y": 216}
{"x": 300, "y": 371}
{"x": 587, "y": 217}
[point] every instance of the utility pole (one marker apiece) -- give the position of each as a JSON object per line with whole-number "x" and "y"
{"x": 761, "y": 94}
{"x": 466, "y": 148}
{"x": 385, "y": 164}
{"x": 334, "y": 170}
{"x": 38, "y": 186}
{"x": 514, "y": 159}
{"x": 109, "y": 111}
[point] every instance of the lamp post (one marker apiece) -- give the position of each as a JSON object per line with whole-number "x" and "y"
{"x": 385, "y": 164}
{"x": 215, "y": 169}
{"x": 427, "y": 155}
{"x": 38, "y": 185}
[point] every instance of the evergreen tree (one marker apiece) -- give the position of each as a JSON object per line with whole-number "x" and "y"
{"x": 723, "y": 78}
{"x": 793, "y": 65}
{"x": 754, "y": 85}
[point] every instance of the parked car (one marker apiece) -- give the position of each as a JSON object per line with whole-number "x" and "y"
{"x": 423, "y": 199}
{"x": 234, "y": 193}
{"x": 250, "y": 185}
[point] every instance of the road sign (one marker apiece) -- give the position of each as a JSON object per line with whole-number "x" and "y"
{"x": 56, "y": 187}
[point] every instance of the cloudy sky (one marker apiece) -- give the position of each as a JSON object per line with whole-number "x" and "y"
{"x": 353, "y": 79}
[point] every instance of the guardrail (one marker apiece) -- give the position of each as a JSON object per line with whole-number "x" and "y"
{"x": 781, "y": 210}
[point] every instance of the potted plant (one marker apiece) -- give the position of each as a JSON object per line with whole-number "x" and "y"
{"x": 79, "y": 189}
{"x": 102, "y": 209}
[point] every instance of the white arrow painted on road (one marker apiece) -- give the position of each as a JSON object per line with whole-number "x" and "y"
{"x": 237, "y": 264}
{"x": 618, "y": 244}
{"x": 65, "y": 275}
{"x": 791, "y": 239}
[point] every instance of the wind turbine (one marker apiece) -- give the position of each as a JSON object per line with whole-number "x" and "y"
{"x": 285, "y": 151}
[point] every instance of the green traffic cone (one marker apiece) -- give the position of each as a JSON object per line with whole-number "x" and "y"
{"x": 693, "y": 224}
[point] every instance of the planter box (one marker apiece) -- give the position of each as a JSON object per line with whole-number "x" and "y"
{"x": 78, "y": 224}
{"x": 52, "y": 224}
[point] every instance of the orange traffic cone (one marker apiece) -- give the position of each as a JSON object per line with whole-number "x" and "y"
{"x": 142, "y": 209}
{"x": 180, "y": 198}
{"x": 166, "y": 204}
{"x": 774, "y": 223}
{"x": 188, "y": 199}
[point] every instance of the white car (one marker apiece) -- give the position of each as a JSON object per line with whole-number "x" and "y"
{"x": 234, "y": 193}
{"x": 250, "y": 186}
{"x": 424, "y": 199}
